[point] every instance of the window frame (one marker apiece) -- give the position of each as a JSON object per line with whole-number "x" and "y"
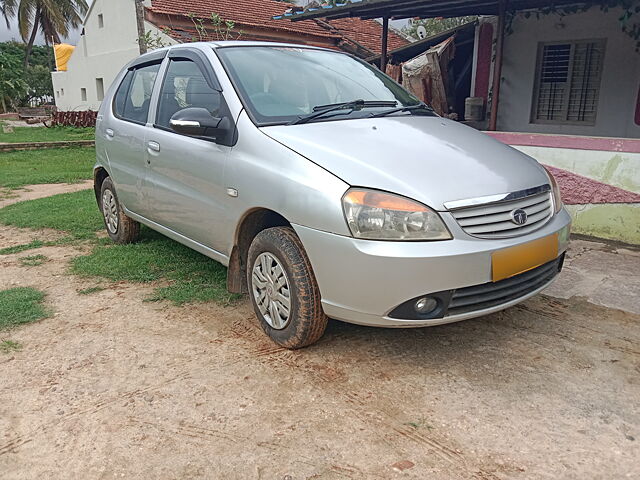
{"x": 133, "y": 69}
{"x": 201, "y": 62}
{"x": 602, "y": 42}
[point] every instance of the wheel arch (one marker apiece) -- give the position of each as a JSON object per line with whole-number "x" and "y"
{"x": 252, "y": 222}
{"x": 99, "y": 175}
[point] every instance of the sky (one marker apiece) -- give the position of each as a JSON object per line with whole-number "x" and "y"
{"x": 12, "y": 32}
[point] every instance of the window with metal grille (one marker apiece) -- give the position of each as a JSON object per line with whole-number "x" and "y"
{"x": 568, "y": 82}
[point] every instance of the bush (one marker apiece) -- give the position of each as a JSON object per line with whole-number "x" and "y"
{"x": 19, "y": 85}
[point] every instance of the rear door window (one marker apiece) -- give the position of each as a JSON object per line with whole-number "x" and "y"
{"x": 133, "y": 98}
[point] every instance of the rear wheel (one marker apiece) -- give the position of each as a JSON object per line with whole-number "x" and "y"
{"x": 283, "y": 289}
{"x": 120, "y": 227}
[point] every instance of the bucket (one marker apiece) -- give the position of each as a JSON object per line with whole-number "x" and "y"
{"x": 474, "y": 109}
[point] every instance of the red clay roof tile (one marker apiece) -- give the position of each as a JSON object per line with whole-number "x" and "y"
{"x": 367, "y": 33}
{"x": 259, "y": 13}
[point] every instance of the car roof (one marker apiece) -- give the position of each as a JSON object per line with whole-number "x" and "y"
{"x": 240, "y": 43}
{"x": 160, "y": 53}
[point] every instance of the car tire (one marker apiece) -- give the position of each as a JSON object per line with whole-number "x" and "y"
{"x": 120, "y": 227}
{"x": 279, "y": 272}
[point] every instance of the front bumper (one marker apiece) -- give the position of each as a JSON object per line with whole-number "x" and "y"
{"x": 363, "y": 281}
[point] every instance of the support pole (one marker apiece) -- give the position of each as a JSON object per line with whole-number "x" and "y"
{"x": 497, "y": 66}
{"x": 385, "y": 39}
{"x": 140, "y": 25}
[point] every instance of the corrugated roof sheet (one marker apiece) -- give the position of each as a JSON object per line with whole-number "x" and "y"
{"x": 418, "y": 8}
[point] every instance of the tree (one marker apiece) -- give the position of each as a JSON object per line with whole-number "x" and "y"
{"x": 8, "y": 10}
{"x": 12, "y": 84}
{"x": 434, "y": 26}
{"x": 53, "y": 18}
{"x": 19, "y": 86}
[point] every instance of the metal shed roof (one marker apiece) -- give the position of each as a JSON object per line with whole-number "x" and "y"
{"x": 398, "y": 9}
{"x": 412, "y": 49}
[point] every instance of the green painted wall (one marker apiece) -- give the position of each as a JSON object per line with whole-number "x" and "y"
{"x": 611, "y": 221}
{"x": 614, "y": 221}
{"x": 621, "y": 170}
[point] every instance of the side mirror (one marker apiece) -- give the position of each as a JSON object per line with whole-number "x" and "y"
{"x": 198, "y": 122}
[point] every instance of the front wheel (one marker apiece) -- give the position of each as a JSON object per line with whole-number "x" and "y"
{"x": 120, "y": 227}
{"x": 283, "y": 289}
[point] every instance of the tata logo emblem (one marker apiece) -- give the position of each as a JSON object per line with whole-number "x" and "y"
{"x": 519, "y": 216}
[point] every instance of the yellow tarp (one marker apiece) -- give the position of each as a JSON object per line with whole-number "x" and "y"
{"x": 63, "y": 54}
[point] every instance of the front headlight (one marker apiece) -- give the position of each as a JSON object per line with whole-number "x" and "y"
{"x": 378, "y": 215}
{"x": 557, "y": 198}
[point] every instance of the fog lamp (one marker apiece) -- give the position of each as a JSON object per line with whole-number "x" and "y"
{"x": 425, "y": 305}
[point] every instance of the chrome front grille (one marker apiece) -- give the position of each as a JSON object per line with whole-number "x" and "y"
{"x": 494, "y": 218}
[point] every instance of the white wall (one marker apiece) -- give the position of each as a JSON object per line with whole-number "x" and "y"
{"x": 100, "y": 53}
{"x": 620, "y": 76}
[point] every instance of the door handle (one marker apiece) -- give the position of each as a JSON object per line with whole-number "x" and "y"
{"x": 109, "y": 132}
{"x": 153, "y": 146}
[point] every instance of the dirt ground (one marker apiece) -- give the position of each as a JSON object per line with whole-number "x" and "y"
{"x": 115, "y": 387}
{"x": 31, "y": 192}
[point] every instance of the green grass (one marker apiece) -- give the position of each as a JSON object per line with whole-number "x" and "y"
{"x": 74, "y": 213}
{"x": 39, "y": 243}
{"x": 192, "y": 277}
{"x": 90, "y": 290}
{"x": 56, "y": 165}
{"x": 419, "y": 423}
{"x": 43, "y": 134}
{"x": 8, "y": 346}
{"x": 32, "y": 260}
{"x": 21, "y": 248}
{"x": 21, "y": 305}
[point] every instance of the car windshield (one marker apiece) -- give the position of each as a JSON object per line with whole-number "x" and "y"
{"x": 281, "y": 84}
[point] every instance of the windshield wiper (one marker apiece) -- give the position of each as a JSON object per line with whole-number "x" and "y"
{"x": 407, "y": 108}
{"x": 359, "y": 104}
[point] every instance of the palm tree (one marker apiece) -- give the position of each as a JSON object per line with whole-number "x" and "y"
{"x": 53, "y": 18}
{"x": 8, "y": 10}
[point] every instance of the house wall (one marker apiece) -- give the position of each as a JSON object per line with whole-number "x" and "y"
{"x": 100, "y": 53}
{"x": 608, "y": 210}
{"x": 620, "y": 80}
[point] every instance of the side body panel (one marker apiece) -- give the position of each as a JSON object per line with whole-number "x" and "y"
{"x": 185, "y": 188}
{"x": 185, "y": 179}
{"x": 127, "y": 160}
{"x": 120, "y": 149}
{"x": 269, "y": 175}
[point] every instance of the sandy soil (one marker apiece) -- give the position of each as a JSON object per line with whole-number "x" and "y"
{"x": 115, "y": 387}
{"x": 32, "y": 192}
{"x": 20, "y": 123}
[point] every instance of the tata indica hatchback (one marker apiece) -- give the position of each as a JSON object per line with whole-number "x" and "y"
{"x": 327, "y": 189}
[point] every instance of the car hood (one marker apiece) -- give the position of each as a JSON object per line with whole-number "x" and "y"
{"x": 429, "y": 159}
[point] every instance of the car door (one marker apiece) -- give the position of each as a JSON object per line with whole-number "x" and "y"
{"x": 125, "y": 133}
{"x": 184, "y": 185}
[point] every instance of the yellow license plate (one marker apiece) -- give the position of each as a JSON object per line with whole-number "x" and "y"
{"x": 514, "y": 260}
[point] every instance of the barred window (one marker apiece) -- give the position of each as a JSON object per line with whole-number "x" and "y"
{"x": 568, "y": 82}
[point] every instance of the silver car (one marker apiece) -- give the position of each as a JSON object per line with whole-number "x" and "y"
{"x": 327, "y": 189}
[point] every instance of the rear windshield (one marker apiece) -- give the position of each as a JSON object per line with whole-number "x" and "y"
{"x": 279, "y": 84}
